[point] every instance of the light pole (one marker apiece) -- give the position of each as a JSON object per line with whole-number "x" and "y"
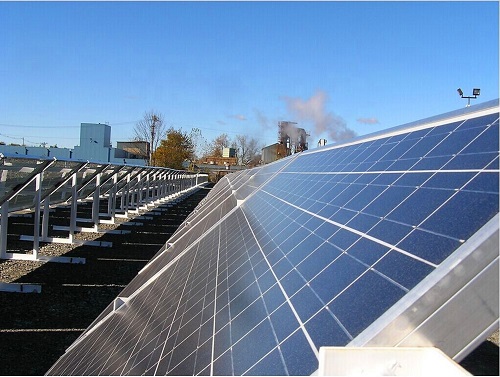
{"x": 475, "y": 93}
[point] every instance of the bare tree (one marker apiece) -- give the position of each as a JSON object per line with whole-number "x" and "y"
{"x": 200, "y": 144}
{"x": 241, "y": 142}
{"x": 254, "y": 151}
{"x": 150, "y": 129}
{"x": 248, "y": 148}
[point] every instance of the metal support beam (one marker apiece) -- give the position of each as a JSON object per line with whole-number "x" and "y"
{"x": 68, "y": 241}
{"x": 43, "y": 258}
{"x": 36, "y": 216}
{"x": 45, "y": 217}
{"x": 20, "y": 288}
{"x": 96, "y": 200}
{"x": 74, "y": 208}
{"x": 4, "y": 222}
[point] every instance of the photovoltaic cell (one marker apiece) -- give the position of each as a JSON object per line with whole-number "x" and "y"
{"x": 310, "y": 251}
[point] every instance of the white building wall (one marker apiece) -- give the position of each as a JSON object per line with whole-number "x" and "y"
{"x": 95, "y": 146}
{"x": 95, "y": 143}
{"x": 64, "y": 153}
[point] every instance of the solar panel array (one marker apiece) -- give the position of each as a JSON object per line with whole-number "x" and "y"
{"x": 18, "y": 179}
{"x": 306, "y": 252}
{"x": 30, "y": 183}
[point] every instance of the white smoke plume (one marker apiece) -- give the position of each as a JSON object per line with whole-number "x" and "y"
{"x": 368, "y": 120}
{"x": 238, "y": 117}
{"x": 313, "y": 110}
{"x": 261, "y": 118}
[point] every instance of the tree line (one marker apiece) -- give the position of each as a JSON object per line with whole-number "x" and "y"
{"x": 169, "y": 147}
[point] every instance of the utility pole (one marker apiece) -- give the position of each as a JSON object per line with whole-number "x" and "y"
{"x": 154, "y": 119}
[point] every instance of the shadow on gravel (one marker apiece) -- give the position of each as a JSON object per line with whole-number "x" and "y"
{"x": 483, "y": 361}
{"x": 35, "y": 329}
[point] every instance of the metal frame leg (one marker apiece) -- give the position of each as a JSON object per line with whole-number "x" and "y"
{"x": 4, "y": 222}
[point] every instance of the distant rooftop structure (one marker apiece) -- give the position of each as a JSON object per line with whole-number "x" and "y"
{"x": 291, "y": 140}
{"x": 95, "y": 145}
{"x": 134, "y": 149}
{"x": 293, "y": 137}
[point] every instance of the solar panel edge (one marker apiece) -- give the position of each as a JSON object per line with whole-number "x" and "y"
{"x": 285, "y": 161}
{"x": 160, "y": 272}
{"x": 486, "y": 108}
{"x": 32, "y": 176}
{"x": 402, "y": 322}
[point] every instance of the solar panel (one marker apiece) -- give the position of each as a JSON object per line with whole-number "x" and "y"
{"x": 30, "y": 183}
{"x": 378, "y": 240}
{"x": 16, "y": 175}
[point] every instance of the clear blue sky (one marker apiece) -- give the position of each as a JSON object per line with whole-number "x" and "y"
{"x": 239, "y": 67}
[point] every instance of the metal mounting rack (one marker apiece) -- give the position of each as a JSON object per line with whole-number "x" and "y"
{"x": 38, "y": 184}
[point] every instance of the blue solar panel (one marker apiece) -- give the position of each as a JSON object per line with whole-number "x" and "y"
{"x": 306, "y": 252}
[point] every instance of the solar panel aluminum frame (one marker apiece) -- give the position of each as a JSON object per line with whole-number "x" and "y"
{"x": 142, "y": 187}
{"x": 81, "y": 190}
{"x": 95, "y": 219}
{"x": 127, "y": 195}
{"x": 42, "y": 198}
{"x": 121, "y": 187}
{"x": 61, "y": 183}
{"x": 132, "y": 192}
{"x": 38, "y": 200}
{"x": 154, "y": 186}
{"x": 152, "y": 194}
{"x": 72, "y": 228}
{"x": 44, "y": 165}
{"x": 467, "y": 285}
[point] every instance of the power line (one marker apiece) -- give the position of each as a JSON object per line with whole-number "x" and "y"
{"x": 25, "y": 126}
{"x": 34, "y": 142}
{"x": 122, "y": 123}
{"x": 46, "y": 137}
{"x": 11, "y": 137}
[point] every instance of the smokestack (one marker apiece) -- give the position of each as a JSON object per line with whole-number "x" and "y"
{"x": 314, "y": 110}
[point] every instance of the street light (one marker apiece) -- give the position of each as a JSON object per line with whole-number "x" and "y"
{"x": 475, "y": 93}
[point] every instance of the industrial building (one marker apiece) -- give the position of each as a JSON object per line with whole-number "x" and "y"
{"x": 291, "y": 140}
{"x": 95, "y": 145}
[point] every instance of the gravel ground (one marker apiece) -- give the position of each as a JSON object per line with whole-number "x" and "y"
{"x": 35, "y": 329}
